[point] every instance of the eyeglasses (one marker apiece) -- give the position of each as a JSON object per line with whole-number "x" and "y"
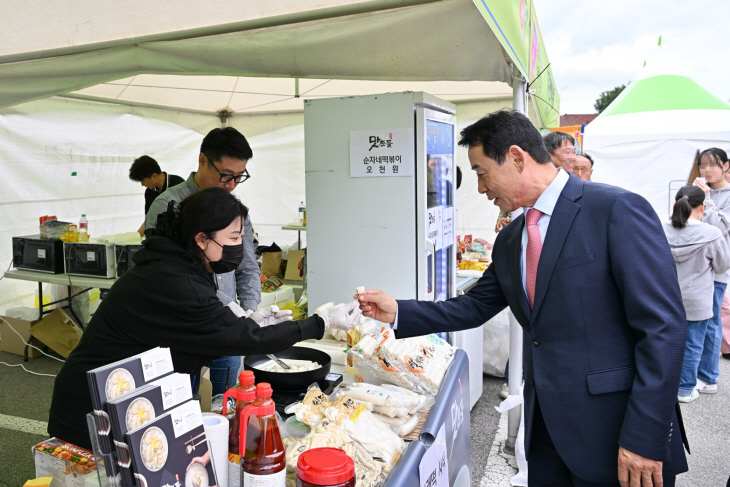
{"x": 227, "y": 178}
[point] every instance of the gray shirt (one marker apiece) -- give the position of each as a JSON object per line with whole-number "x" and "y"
{"x": 700, "y": 252}
{"x": 717, "y": 214}
{"x": 245, "y": 281}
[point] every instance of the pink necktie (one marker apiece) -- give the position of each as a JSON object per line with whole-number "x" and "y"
{"x": 534, "y": 247}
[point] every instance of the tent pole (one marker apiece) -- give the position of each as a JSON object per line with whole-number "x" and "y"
{"x": 519, "y": 103}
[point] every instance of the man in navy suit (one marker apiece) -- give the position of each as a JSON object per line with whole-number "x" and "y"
{"x": 588, "y": 273}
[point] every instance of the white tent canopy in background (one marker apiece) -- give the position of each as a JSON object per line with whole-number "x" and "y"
{"x": 647, "y": 139}
{"x": 138, "y": 78}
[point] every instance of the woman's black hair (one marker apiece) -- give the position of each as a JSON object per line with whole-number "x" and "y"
{"x": 688, "y": 198}
{"x": 714, "y": 154}
{"x": 206, "y": 211}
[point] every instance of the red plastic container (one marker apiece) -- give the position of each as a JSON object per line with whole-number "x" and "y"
{"x": 263, "y": 456}
{"x": 325, "y": 467}
{"x": 244, "y": 394}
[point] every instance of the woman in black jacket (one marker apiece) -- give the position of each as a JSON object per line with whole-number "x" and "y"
{"x": 168, "y": 299}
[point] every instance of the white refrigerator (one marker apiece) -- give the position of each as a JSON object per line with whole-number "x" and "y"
{"x": 380, "y": 195}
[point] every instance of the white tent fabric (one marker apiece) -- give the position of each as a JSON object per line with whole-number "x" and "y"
{"x": 376, "y": 40}
{"x": 152, "y": 77}
{"x": 651, "y": 153}
{"x": 43, "y": 142}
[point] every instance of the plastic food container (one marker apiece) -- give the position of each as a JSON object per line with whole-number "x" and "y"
{"x": 325, "y": 467}
{"x": 296, "y": 428}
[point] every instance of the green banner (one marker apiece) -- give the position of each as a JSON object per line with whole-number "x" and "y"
{"x": 545, "y": 99}
{"x": 515, "y": 25}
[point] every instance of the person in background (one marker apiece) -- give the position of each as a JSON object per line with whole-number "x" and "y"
{"x": 147, "y": 171}
{"x": 224, "y": 155}
{"x": 725, "y": 316}
{"x": 561, "y": 147}
{"x": 168, "y": 299}
{"x": 700, "y": 251}
{"x": 713, "y": 167}
{"x": 583, "y": 167}
{"x": 589, "y": 275}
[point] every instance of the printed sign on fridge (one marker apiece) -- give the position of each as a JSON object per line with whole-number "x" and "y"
{"x": 435, "y": 227}
{"x": 381, "y": 153}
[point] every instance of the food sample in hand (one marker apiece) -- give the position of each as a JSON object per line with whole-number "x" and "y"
{"x": 295, "y": 366}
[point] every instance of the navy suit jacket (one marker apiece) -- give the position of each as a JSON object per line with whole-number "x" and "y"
{"x": 604, "y": 342}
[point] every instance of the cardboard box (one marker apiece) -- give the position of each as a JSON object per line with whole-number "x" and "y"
{"x": 10, "y": 342}
{"x": 69, "y": 465}
{"x": 292, "y": 265}
{"x": 59, "y": 332}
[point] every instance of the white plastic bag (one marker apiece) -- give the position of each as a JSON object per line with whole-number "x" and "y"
{"x": 496, "y": 344}
{"x": 79, "y": 304}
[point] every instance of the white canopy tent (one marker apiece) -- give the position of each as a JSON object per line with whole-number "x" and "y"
{"x": 132, "y": 78}
{"x": 647, "y": 139}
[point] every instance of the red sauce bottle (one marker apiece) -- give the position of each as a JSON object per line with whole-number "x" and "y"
{"x": 244, "y": 394}
{"x": 263, "y": 456}
{"x": 325, "y": 467}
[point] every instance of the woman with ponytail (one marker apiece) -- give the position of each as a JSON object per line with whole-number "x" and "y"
{"x": 700, "y": 252}
{"x": 169, "y": 299}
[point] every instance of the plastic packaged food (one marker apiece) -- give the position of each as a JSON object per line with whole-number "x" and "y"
{"x": 417, "y": 364}
{"x": 362, "y": 426}
{"x": 311, "y": 410}
{"x": 296, "y": 428}
{"x": 368, "y": 471}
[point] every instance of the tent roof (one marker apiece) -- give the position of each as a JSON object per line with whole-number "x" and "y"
{"x": 256, "y": 95}
{"x": 377, "y": 40}
{"x": 257, "y": 55}
{"x": 663, "y": 92}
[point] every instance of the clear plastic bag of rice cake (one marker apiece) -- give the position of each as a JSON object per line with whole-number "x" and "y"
{"x": 365, "y": 428}
{"x": 311, "y": 410}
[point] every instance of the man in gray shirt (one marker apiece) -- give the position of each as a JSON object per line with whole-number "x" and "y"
{"x": 222, "y": 162}
{"x": 224, "y": 154}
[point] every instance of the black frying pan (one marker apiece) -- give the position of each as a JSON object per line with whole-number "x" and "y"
{"x": 290, "y": 381}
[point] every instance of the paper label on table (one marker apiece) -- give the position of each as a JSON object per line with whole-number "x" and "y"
{"x": 332, "y": 376}
{"x": 41, "y": 253}
{"x": 435, "y": 226}
{"x": 175, "y": 389}
{"x": 381, "y": 153}
{"x": 433, "y": 471}
{"x": 90, "y": 256}
{"x": 186, "y": 417}
{"x": 155, "y": 363}
{"x": 448, "y": 226}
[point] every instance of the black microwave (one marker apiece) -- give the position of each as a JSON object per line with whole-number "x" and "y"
{"x": 87, "y": 259}
{"x": 124, "y": 257}
{"x": 34, "y": 253}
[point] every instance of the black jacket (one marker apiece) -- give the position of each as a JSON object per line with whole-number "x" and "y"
{"x": 165, "y": 300}
{"x": 151, "y": 195}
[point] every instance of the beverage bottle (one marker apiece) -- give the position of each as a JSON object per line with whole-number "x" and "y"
{"x": 263, "y": 456}
{"x": 244, "y": 394}
{"x": 83, "y": 228}
{"x": 301, "y": 213}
